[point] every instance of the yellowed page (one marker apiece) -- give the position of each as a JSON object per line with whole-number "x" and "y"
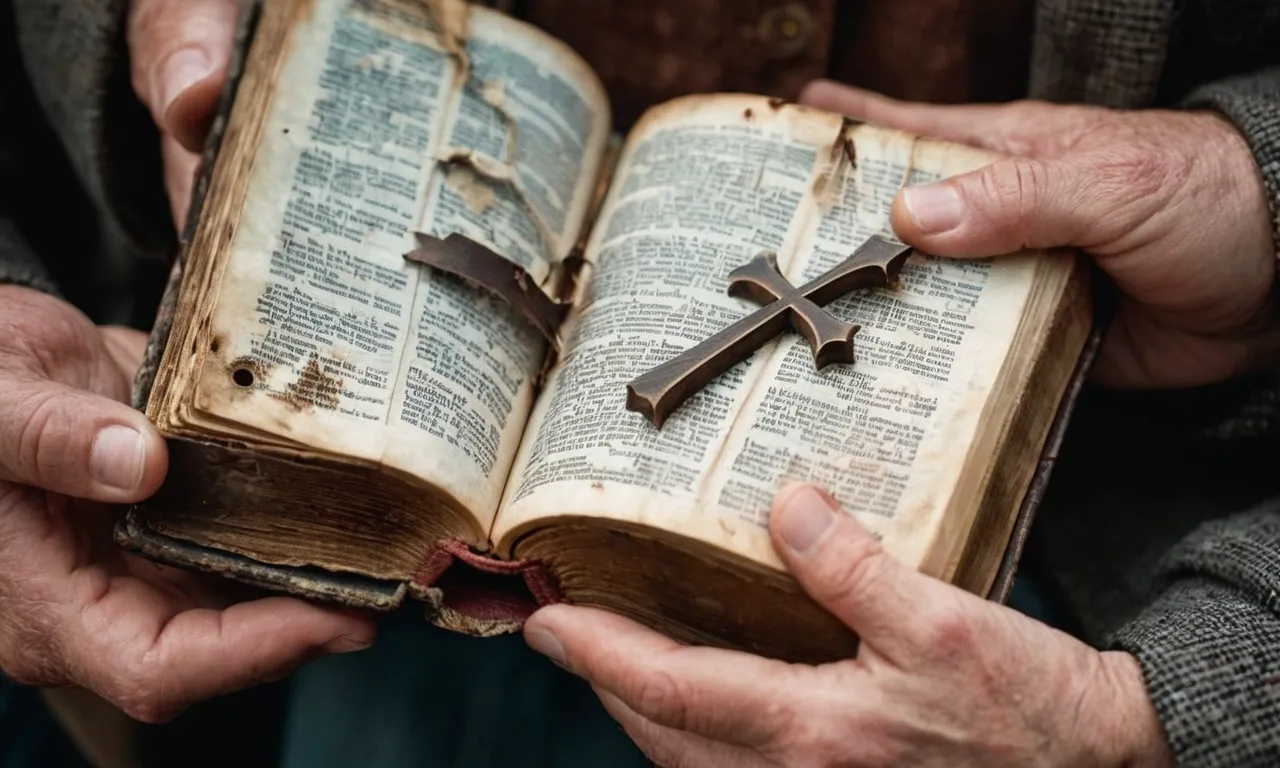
{"x": 703, "y": 186}
{"x": 380, "y": 129}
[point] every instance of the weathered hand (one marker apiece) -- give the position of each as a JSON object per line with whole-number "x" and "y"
{"x": 180, "y": 50}
{"x": 1170, "y": 204}
{"x": 76, "y": 610}
{"x": 942, "y": 677}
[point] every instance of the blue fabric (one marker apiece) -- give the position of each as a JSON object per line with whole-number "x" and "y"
{"x": 419, "y": 698}
{"x": 29, "y": 736}
{"x": 422, "y": 697}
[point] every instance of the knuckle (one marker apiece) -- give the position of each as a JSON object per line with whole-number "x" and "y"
{"x": 1036, "y": 127}
{"x": 1026, "y": 116}
{"x": 1013, "y": 192}
{"x": 1023, "y": 185}
{"x": 40, "y": 334}
{"x": 822, "y": 739}
{"x": 660, "y": 696}
{"x": 952, "y": 633}
{"x": 864, "y": 565}
{"x": 41, "y": 442}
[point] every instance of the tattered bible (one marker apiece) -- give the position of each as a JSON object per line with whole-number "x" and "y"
{"x": 349, "y": 423}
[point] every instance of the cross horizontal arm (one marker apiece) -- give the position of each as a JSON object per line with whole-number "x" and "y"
{"x": 876, "y": 263}
{"x": 659, "y": 391}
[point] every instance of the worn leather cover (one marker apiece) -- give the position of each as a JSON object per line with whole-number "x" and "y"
{"x": 461, "y": 591}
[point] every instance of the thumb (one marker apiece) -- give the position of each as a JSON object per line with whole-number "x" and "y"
{"x": 77, "y": 443}
{"x": 1004, "y": 207}
{"x": 844, "y": 569}
{"x": 202, "y": 653}
{"x": 180, "y": 51}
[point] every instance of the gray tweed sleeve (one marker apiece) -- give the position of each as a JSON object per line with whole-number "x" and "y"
{"x": 72, "y": 60}
{"x": 1252, "y": 102}
{"x": 1209, "y": 645}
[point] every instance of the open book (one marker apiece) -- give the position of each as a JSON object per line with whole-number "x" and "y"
{"x": 350, "y": 425}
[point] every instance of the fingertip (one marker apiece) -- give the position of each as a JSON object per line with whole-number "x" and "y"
{"x": 304, "y": 624}
{"x": 789, "y": 489}
{"x": 155, "y": 462}
{"x": 582, "y": 626}
{"x": 128, "y": 460}
{"x": 546, "y": 617}
{"x": 358, "y": 627}
{"x": 562, "y": 618}
{"x": 817, "y": 92}
{"x": 105, "y": 451}
{"x": 904, "y": 224}
{"x": 835, "y": 97}
{"x": 352, "y": 632}
{"x": 190, "y": 113}
{"x": 802, "y": 521}
{"x": 790, "y": 494}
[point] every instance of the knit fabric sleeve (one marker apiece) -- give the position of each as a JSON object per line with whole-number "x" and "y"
{"x": 1209, "y": 645}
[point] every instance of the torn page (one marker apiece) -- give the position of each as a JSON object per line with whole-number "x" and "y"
{"x": 325, "y": 336}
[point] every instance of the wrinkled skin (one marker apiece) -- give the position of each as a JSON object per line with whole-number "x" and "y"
{"x": 1172, "y": 207}
{"x": 76, "y": 609}
{"x": 942, "y": 678}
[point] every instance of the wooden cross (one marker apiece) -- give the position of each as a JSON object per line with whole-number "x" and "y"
{"x": 658, "y": 392}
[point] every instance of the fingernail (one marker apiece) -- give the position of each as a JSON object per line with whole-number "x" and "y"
{"x": 934, "y": 207}
{"x": 183, "y": 70}
{"x": 547, "y": 644}
{"x": 346, "y": 644}
{"x": 117, "y": 457}
{"x": 806, "y": 515}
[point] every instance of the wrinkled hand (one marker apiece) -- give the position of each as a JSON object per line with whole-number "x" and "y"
{"x": 942, "y": 677}
{"x": 74, "y": 608}
{"x": 1170, "y": 204}
{"x": 180, "y": 51}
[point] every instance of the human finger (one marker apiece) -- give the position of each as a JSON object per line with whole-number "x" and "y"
{"x": 77, "y": 443}
{"x": 723, "y": 695}
{"x": 153, "y": 663}
{"x": 180, "y": 51}
{"x": 1018, "y": 128}
{"x": 180, "y": 168}
{"x": 1016, "y": 203}
{"x": 670, "y": 748}
{"x": 895, "y": 610}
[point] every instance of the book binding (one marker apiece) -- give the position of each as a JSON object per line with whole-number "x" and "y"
{"x": 462, "y": 590}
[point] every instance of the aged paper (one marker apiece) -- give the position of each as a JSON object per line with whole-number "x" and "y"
{"x": 326, "y": 336}
{"x": 703, "y": 186}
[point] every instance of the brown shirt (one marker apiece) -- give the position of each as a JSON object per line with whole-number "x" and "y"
{"x": 648, "y": 51}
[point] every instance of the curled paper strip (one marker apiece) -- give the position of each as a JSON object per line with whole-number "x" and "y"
{"x": 482, "y": 268}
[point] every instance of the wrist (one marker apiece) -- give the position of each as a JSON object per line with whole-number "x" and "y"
{"x": 1129, "y": 730}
